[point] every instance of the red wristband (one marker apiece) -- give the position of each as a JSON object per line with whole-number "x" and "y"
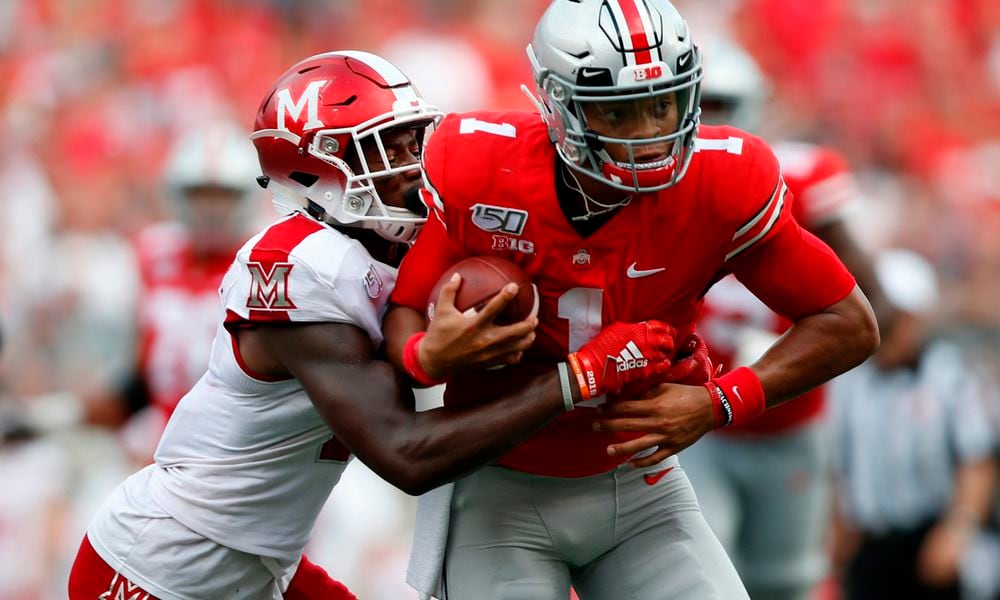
{"x": 411, "y": 361}
{"x": 737, "y": 397}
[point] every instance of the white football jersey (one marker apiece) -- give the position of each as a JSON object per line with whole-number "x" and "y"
{"x": 247, "y": 462}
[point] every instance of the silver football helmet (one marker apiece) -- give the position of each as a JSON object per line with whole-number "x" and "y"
{"x": 622, "y": 74}
{"x": 215, "y": 161}
{"x": 734, "y": 89}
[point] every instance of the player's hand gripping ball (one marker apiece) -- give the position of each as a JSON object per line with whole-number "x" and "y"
{"x": 482, "y": 278}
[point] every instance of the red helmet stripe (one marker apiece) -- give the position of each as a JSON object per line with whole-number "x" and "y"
{"x": 640, "y": 37}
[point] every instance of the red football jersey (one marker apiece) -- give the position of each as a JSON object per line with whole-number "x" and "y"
{"x": 178, "y": 312}
{"x": 733, "y": 319}
{"x": 492, "y": 186}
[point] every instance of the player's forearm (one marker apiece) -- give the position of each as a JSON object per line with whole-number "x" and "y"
{"x": 818, "y": 348}
{"x": 399, "y": 324}
{"x": 445, "y": 444}
{"x": 972, "y": 500}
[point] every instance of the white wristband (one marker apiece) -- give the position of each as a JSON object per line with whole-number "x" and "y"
{"x": 567, "y": 393}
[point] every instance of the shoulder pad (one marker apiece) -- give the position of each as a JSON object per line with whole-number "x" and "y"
{"x": 300, "y": 270}
{"x": 469, "y": 151}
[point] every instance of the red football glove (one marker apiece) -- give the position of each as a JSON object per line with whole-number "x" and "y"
{"x": 691, "y": 365}
{"x": 623, "y": 354}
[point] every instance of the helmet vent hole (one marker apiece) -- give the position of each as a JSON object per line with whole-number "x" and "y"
{"x": 581, "y": 55}
{"x": 307, "y": 69}
{"x": 305, "y": 179}
{"x": 344, "y": 102}
{"x": 267, "y": 101}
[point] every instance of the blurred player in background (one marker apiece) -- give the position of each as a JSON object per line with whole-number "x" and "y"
{"x": 620, "y": 208}
{"x": 295, "y": 386}
{"x": 764, "y": 486}
{"x": 33, "y": 507}
{"x": 211, "y": 194}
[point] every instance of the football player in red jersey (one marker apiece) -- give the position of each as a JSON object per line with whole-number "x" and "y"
{"x": 209, "y": 180}
{"x": 764, "y": 486}
{"x": 211, "y": 198}
{"x": 294, "y": 386}
{"x": 620, "y": 208}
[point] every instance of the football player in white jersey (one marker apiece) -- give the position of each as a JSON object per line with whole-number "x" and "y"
{"x": 294, "y": 386}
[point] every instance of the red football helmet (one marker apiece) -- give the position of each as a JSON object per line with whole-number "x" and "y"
{"x": 316, "y": 117}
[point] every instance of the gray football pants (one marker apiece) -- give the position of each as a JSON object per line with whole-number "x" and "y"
{"x": 768, "y": 500}
{"x": 613, "y": 536}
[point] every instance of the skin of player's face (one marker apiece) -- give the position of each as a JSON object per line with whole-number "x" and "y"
{"x": 212, "y": 215}
{"x": 635, "y": 119}
{"x": 402, "y": 147}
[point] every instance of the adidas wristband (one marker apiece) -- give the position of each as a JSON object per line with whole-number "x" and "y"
{"x": 737, "y": 397}
{"x": 411, "y": 361}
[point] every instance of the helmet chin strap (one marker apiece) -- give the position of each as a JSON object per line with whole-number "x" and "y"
{"x": 284, "y": 200}
{"x": 589, "y": 201}
{"x": 535, "y": 100}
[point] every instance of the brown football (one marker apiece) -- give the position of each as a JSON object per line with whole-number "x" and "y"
{"x": 482, "y": 278}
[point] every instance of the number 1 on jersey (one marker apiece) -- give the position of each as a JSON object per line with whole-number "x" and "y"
{"x": 472, "y": 125}
{"x": 582, "y": 307}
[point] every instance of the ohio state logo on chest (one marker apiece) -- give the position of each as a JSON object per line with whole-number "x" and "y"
{"x": 269, "y": 287}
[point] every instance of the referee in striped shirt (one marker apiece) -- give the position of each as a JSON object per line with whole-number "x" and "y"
{"x": 915, "y": 453}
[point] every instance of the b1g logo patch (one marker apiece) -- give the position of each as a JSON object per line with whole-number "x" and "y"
{"x": 648, "y": 73}
{"x": 499, "y": 218}
{"x": 269, "y": 288}
{"x": 373, "y": 284}
{"x": 503, "y": 242}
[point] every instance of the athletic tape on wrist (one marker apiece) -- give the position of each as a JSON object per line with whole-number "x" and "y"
{"x": 411, "y": 361}
{"x": 737, "y": 397}
{"x": 564, "y": 384}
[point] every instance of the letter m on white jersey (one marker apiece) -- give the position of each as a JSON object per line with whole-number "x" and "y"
{"x": 269, "y": 289}
{"x": 309, "y": 100}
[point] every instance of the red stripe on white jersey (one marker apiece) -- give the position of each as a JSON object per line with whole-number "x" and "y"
{"x": 232, "y": 317}
{"x": 761, "y": 223}
{"x": 640, "y": 33}
{"x": 273, "y": 248}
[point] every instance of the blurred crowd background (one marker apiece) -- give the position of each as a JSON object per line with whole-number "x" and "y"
{"x": 93, "y": 94}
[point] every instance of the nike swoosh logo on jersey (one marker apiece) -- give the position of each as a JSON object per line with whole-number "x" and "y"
{"x": 653, "y": 478}
{"x": 634, "y": 273}
{"x": 736, "y": 390}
